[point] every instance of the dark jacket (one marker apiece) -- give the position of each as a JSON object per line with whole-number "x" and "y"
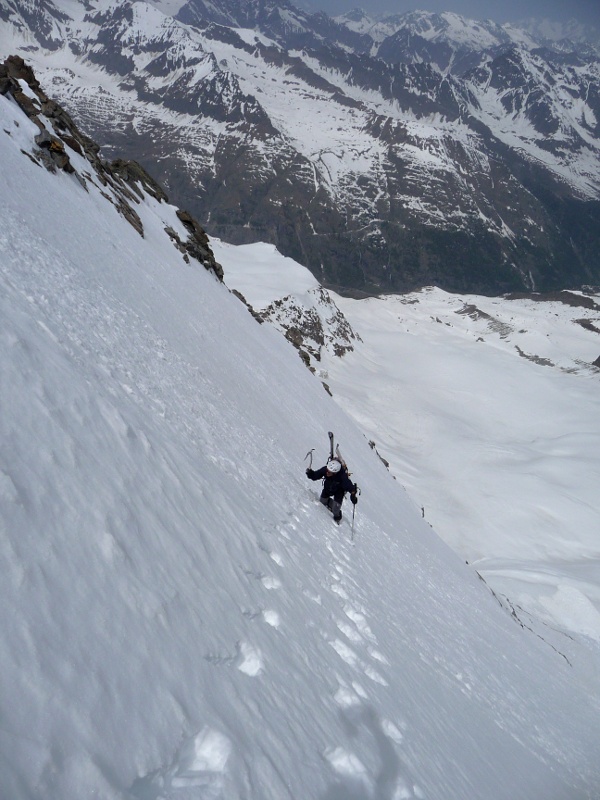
{"x": 335, "y": 485}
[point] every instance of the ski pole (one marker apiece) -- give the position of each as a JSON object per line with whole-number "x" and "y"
{"x": 353, "y": 513}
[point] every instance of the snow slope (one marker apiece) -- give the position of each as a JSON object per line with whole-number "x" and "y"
{"x": 181, "y": 617}
{"x": 487, "y": 410}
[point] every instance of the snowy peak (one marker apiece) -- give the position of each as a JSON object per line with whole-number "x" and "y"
{"x": 454, "y": 28}
{"x": 167, "y": 65}
{"x": 455, "y": 43}
{"x": 561, "y": 35}
{"x": 356, "y": 16}
{"x": 377, "y": 30}
{"x": 452, "y": 42}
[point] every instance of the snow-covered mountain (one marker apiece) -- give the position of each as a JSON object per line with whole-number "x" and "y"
{"x": 377, "y": 29}
{"x": 453, "y": 43}
{"x": 443, "y": 37}
{"x": 561, "y": 33}
{"x": 447, "y": 151}
{"x": 181, "y": 617}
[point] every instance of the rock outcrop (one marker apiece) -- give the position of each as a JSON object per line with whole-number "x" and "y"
{"x": 126, "y": 182}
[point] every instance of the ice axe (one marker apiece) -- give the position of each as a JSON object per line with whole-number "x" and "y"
{"x": 310, "y": 452}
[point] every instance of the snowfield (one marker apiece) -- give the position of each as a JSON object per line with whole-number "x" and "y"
{"x": 181, "y": 617}
{"x": 487, "y": 410}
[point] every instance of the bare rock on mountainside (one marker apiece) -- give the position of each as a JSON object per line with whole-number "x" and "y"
{"x": 314, "y": 327}
{"x": 426, "y": 149}
{"x": 127, "y": 181}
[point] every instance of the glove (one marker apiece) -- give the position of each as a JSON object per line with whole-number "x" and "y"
{"x": 309, "y": 472}
{"x": 354, "y": 498}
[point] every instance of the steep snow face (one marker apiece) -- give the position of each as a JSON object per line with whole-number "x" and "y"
{"x": 486, "y": 410}
{"x": 182, "y": 618}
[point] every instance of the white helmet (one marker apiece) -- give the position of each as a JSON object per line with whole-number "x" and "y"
{"x": 333, "y": 466}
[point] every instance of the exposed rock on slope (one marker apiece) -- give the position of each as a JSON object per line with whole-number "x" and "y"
{"x": 126, "y": 182}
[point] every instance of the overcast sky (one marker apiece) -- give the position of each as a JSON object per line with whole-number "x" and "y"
{"x": 587, "y": 11}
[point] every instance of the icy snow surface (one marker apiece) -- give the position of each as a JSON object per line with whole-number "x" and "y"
{"x": 182, "y": 619}
{"x": 487, "y": 410}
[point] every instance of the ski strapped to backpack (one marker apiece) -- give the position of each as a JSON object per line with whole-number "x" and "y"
{"x": 335, "y": 453}
{"x": 339, "y": 457}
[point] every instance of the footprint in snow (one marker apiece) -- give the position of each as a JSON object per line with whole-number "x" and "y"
{"x": 272, "y": 555}
{"x": 271, "y": 618}
{"x": 375, "y": 654}
{"x": 349, "y": 696}
{"x": 375, "y": 676}
{"x": 349, "y": 632}
{"x": 350, "y": 657}
{"x": 386, "y": 777}
{"x": 199, "y": 766}
{"x": 250, "y": 662}
{"x": 337, "y": 589}
{"x": 316, "y": 598}
{"x": 270, "y": 582}
{"x": 288, "y": 528}
{"x": 344, "y": 652}
{"x": 351, "y": 770}
{"x": 392, "y": 731}
{"x": 359, "y": 620}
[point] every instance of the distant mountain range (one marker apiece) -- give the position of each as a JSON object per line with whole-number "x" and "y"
{"x": 384, "y": 155}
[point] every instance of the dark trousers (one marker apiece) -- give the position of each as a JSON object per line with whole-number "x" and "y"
{"x": 335, "y": 506}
